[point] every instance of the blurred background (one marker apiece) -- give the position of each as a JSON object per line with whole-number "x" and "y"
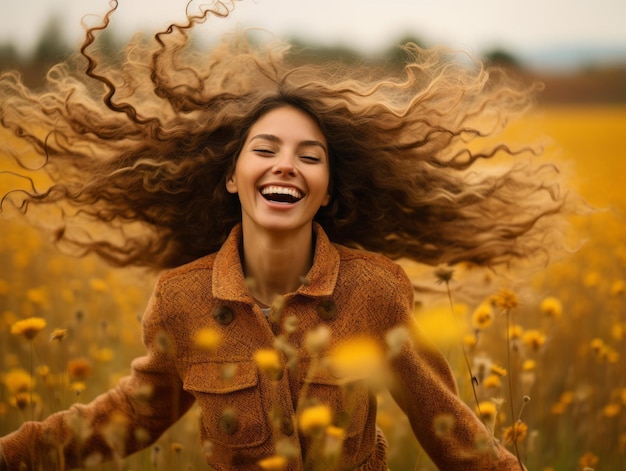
{"x": 578, "y": 48}
{"x": 564, "y": 346}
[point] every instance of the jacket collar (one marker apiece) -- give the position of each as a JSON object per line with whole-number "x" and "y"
{"x": 229, "y": 281}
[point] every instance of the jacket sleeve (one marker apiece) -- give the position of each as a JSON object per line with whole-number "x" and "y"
{"x": 117, "y": 423}
{"x": 425, "y": 389}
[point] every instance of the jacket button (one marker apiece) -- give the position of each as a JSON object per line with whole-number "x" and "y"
{"x": 228, "y": 422}
{"x": 327, "y": 310}
{"x": 223, "y": 315}
{"x": 286, "y": 425}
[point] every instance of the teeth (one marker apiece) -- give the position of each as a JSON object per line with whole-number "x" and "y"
{"x": 281, "y": 190}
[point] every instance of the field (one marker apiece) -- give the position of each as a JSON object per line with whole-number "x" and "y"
{"x": 555, "y": 364}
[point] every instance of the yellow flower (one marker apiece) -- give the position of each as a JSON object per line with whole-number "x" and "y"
{"x": 268, "y": 360}
{"x": 470, "y": 340}
{"x": 98, "y": 285}
{"x": 529, "y": 365}
{"x": 515, "y": 332}
{"x": 273, "y": 463}
{"x": 492, "y": 381}
{"x": 23, "y": 399}
{"x": 482, "y": 316}
{"x": 618, "y": 288}
{"x": 58, "y": 335}
{"x": 37, "y": 296}
{"x": 315, "y": 418}
{"x": 79, "y": 369}
{"x": 78, "y": 387}
{"x": 43, "y": 371}
{"x": 18, "y": 380}
{"x": 507, "y": 300}
{"x": 357, "y": 357}
{"x": 533, "y": 339}
{"x": 176, "y": 447}
{"x": 551, "y": 307}
{"x": 487, "y": 411}
{"x": 515, "y": 433}
{"x": 588, "y": 460}
{"x": 498, "y": 370}
{"x": 103, "y": 355}
{"x": 611, "y": 410}
{"x": 28, "y": 328}
{"x": 208, "y": 339}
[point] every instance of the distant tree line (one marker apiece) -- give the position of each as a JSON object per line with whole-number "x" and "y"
{"x": 52, "y": 48}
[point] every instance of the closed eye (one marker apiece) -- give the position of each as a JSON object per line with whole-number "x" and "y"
{"x": 311, "y": 158}
{"x": 264, "y": 151}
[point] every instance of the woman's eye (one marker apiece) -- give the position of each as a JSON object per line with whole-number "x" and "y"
{"x": 310, "y": 158}
{"x": 264, "y": 151}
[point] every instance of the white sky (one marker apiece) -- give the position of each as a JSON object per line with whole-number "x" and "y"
{"x": 472, "y": 25}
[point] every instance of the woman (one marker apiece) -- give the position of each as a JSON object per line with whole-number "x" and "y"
{"x": 265, "y": 189}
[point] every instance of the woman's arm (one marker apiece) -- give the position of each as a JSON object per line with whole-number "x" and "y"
{"x": 425, "y": 389}
{"x": 115, "y": 424}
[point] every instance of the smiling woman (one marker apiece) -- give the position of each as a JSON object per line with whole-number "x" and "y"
{"x": 265, "y": 189}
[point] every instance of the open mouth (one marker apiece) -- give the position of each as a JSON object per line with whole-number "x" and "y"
{"x": 281, "y": 194}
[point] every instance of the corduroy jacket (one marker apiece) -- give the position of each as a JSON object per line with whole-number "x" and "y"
{"x": 245, "y": 412}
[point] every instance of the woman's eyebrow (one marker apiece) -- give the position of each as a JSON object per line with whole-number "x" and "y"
{"x": 273, "y": 138}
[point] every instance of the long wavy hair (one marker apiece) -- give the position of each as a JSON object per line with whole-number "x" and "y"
{"x": 143, "y": 148}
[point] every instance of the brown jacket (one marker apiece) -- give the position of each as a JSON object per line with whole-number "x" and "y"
{"x": 245, "y": 413}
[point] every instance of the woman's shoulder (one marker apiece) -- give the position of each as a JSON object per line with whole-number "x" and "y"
{"x": 364, "y": 261}
{"x": 199, "y": 267}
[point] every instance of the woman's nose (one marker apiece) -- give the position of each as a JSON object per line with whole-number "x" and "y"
{"x": 285, "y": 164}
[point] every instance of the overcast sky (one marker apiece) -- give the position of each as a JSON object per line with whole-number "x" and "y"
{"x": 473, "y": 25}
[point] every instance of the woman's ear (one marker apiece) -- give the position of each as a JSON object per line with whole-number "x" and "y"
{"x": 231, "y": 185}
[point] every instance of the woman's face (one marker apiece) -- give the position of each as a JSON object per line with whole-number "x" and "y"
{"x": 282, "y": 173}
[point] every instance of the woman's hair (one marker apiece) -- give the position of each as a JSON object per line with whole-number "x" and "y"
{"x": 143, "y": 146}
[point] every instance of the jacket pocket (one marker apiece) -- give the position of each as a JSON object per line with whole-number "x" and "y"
{"x": 348, "y": 399}
{"x": 232, "y": 408}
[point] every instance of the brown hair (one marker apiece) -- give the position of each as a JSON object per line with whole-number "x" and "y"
{"x": 145, "y": 146}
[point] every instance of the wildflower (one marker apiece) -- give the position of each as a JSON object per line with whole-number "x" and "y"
{"x": 507, "y": 300}
{"x": 37, "y": 296}
{"x": 444, "y": 274}
{"x": 103, "y": 355}
{"x": 357, "y": 357}
{"x": 176, "y": 447}
{"x": 396, "y": 338}
{"x": 443, "y": 425}
{"x": 487, "y": 411}
{"x": 618, "y": 288}
{"x": 588, "y": 460}
{"x": 558, "y": 408}
{"x": 18, "y": 380}
{"x": 28, "y": 328}
{"x": 498, "y": 370}
{"x": 79, "y": 369}
{"x": 208, "y": 339}
{"x": 529, "y": 365}
{"x": 611, "y": 410}
{"x": 333, "y": 444}
{"x": 515, "y": 433}
{"x": 58, "y": 335}
{"x": 482, "y": 317}
{"x": 470, "y": 341}
{"x": 273, "y": 463}
{"x": 533, "y": 339}
{"x": 492, "y": 382}
{"x": 515, "y": 332}
{"x": 315, "y": 418}
{"x": 317, "y": 339}
{"x": 98, "y": 285}
{"x": 268, "y": 360}
{"x": 551, "y": 307}
{"x": 22, "y": 400}
{"x": 78, "y": 387}
{"x": 43, "y": 371}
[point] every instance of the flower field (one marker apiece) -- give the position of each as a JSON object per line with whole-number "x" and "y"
{"x": 547, "y": 352}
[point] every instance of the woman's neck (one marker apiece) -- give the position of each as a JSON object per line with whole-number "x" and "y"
{"x": 275, "y": 264}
